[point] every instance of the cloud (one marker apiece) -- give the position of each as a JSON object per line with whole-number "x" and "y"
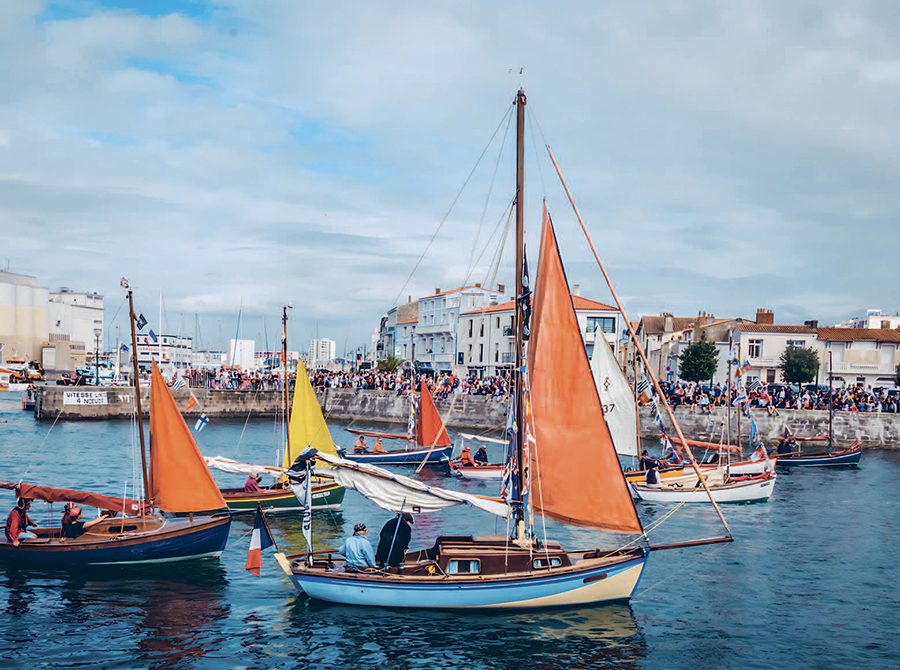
{"x": 237, "y": 156}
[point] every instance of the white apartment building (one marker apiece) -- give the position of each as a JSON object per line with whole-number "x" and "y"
{"x": 873, "y": 319}
{"x": 23, "y": 317}
{"x": 321, "y": 352}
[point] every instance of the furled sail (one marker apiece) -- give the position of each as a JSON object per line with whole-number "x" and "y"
{"x": 397, "y": 493}
{"x": 179, "y": 479}
{"x": 575, "y": 473}
{"x": 238, "y": 468}
{"x": 616, "y": 397}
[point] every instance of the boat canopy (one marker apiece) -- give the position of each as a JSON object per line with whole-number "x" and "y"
{"x": 51, "y": 494}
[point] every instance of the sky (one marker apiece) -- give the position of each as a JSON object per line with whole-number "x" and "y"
{"x": 230, "y": 158}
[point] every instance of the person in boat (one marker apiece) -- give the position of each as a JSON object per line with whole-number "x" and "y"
{"x": 481, "y": 457}
{"x": 646, "y": 462}
{"x": 18, "y": 521}
{"x": 466, "y": 460}
{"x": 253, "y": 482}
{"x": 360, "y": 446}
{"x": 378, "y": 448}
{"x": 75, "y": 526}
{"x": 357, "y": 550}
{"x": 394, "y": 540}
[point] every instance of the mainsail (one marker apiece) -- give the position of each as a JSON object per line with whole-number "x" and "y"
{"x": 307, "y": 427}
{"x": 430, "y": 431}
{"x": 574, "y": 465}
{"x": 179, "y": 478}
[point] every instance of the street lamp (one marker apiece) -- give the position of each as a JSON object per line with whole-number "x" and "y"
{"x": 97, "y": 333}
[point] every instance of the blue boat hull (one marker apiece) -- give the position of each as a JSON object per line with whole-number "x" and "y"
{"x": 435, "y": 456}
{"x": 178, "y": 539}
{"x": 602, "y": 583}
{"x": 849, "y": 457}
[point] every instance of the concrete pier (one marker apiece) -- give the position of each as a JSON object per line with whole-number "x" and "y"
{"x": 461, "y": 413}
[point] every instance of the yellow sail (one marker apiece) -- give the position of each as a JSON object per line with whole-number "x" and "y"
{"x": 307, "y": 427}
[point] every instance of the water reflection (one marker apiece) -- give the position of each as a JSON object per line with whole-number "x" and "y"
{"x": 343, "y": 636}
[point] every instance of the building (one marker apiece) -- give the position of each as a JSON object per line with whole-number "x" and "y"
{"x": 76, "y": 328}
{"x": 761, "y": 344}
{"x": 321, "y": 352}
{"x": 395, "y": 335}
{"x": 166, "y": 350}
{"x": 486, "y": 336}
{"x": 857, "y": 355}
{"x": 23, "y": 317}
{"x": 434, "y": 342}
{"x": 873, "y": 319}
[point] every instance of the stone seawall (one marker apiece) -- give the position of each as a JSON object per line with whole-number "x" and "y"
{"x": 460, "y": 412}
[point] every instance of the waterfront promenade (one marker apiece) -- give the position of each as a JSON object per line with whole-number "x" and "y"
{"x": 461, "y": 412}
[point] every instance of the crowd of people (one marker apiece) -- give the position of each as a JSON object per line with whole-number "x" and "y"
{"x": 403, "y": 382}
{"x": 853, "y": 398}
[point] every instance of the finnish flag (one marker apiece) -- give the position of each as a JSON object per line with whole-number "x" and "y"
{"x": 202, "y": 421}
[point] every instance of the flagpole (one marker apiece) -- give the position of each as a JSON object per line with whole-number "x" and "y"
{"x": 266, "y": 522}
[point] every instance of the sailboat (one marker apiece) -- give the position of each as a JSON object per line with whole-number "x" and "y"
{"x": 554, "y": 410}
{"x": 433, "y": 445}
{"x": 176, "y": 482}
{"x": 306, "y": 428}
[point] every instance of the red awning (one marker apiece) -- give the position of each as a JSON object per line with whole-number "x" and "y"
{"x": 50, "y": 494}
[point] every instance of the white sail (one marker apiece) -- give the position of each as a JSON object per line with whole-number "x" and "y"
{"x": 616, "y": 396}
{"x": 238, "y": 468}
{"x": 397, "y": 493}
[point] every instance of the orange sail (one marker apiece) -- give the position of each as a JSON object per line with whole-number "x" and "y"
{"x": 575, "y": 474}
{"x": 179, "y": 479}
{"x": 430, "y": 431}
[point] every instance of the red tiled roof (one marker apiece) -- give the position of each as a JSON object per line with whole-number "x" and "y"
{"x": 403, "y": 323}
{"x": 873, "y": 334}
{"x": 656, "y": 325}
{"x": 775, "y": 328}
{"x": 577, "y": 300}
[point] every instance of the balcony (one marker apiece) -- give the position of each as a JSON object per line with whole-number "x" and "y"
{"x": 509, "y": 331}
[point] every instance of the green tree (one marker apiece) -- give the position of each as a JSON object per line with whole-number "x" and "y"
{"x": 799, "y": 365}
{"x": 390, "y": 363}
{"x": 698, "y": 361}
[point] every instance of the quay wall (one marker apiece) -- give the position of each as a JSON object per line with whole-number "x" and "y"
{"x": 461, "y": 412}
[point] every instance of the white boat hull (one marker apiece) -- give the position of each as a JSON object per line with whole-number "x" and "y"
{"x": 602, "y": 584}
{"x": 737, "y": 492}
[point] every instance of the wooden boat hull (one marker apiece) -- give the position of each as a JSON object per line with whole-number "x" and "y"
{"x": 754, "y": 490}
{"x": 849, "y": 457}
{"x": 434, "y": 456}
{"x": 641, "y": 475}
{"x": 586, "y": 582}
{"x": 324, "y": 496}
{"x": 174, "y": 539}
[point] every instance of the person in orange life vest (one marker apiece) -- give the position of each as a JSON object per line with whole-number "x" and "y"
{"x": 379, "y": 447}
{"x": 18, "y": 521}
{"x": 465, "y": 459}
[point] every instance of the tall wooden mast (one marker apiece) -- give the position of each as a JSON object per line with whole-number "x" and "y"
{"x": 137, "y": 391}
{"x": 287, "y": 416}
{"x": 520, "y": 307}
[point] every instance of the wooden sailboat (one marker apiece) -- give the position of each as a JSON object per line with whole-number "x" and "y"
{"x": 306, "y": 428}
{"x": 176, "y": 482}
{"x": 484, "y": 471}
{"x": 587, "y": 489}
{"x": 433, "y": 445}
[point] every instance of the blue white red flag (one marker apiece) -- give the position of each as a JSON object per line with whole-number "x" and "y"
{"x": 260, "y": 539}
{"x": 644, "y": 392}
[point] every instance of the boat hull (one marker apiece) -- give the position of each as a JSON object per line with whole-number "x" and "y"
{"x": 177, "y": 539}
{"x": 327, "y": 496}
{"x": 849, "y": 457}
{"x": 434, "y": 456}
{"x": 481, "y": 472}
{"x": 737, "y": 492}
{"x": 604, "y": 583}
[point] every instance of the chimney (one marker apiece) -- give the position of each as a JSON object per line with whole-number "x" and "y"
{"x": 765, "y": 317}
{"x": 814, "y": 324}
{"x": 437, "y": 291}
{"x": 501, "y": 288}
{"x": 576, "y": 289}
{"x": 409, "y": 299}
{"x": 669, "y": 323}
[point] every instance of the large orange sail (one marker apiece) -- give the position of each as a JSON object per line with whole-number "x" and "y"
{"x": 179, "y": 479}
{"x": 575, "y": 474}
{"x": 430, "y": 431}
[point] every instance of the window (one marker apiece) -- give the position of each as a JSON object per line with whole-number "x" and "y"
{"x": 459, "y": 567}
{"x": 754, "y": 350}
{"x": 770, "y": 376}
{"x": 545, "y": 562}
{"x": 796, "y": 343}
{"x": 498, "y": 323}
{"x": 481, "y": 330}
{"x": 470, "y": 327}
{"x": 606, "y": 324}
{"x": 481, "y": 353}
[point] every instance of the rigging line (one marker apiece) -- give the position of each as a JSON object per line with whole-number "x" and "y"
{"x": 491, "y": 273}
{"x": 118, "y": 309}
{"x": 246, "y": 421}
{"x": 452, "y": 205}
{"x": 487, "y": 198}
{"x": 532, "y": 118}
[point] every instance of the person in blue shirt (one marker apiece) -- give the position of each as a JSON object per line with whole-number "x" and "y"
{"x": 358, "y": 550}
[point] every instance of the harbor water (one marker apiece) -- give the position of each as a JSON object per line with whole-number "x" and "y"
{"x": 809, "y": 582}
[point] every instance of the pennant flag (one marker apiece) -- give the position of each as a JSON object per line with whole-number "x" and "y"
{"x": 152, "y": 335}
{"x": 124, "y": 348}
{"x": 526, "y": 298}
{"x": 260, "y": 539}
{"x": 307, "y": 512}
{"x": 201, "y": 422}
{"x": 191, "y": 402}
{"x": 741, "y": 398}
{"x": 745, "y": 367}
{"x": 644, "y": 392}
{"x": 140, "y": 321}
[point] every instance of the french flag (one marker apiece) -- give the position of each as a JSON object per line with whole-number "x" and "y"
{"x": 260, "y": 539}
